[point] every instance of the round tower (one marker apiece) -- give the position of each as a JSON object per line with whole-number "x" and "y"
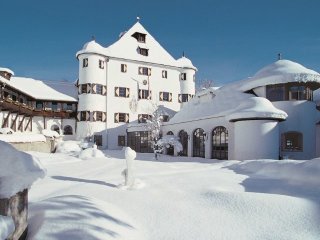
{"x": 92, "y": 91}
{"x": 187, "y": 80}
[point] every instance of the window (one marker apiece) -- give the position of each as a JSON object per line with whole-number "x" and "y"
{"x": 121, "y": 117}
{"x": 275, "y": 93}
{"x": 144, "y": 94}
{"x": 97, "y": 139}
{"x": 183, "y": 135}
{"x": 121, "y": 140}
{"x": 183, "y": 76}
{"x": 165, "y": 118}
{"x": 99, "y": 116}
{"x": 140, "y": 141}
{"x": 85, "y": 62}
{"x": 54, "y": 106}
{"x": 165, "y": 96}
{"x": 39, "y": 105}
{"x": 101, "y": 64}
{"x": 142, "y": 118}
{"x": 297, "y": 93}
{"x": 289, "y": 92}
{"x": 198, "y": 143}
{"x": 99, "y": 89}
{"x": 14, "y": 97}
{"x": 55, "y": 128}
{"x": 164, "y": 74}
{"x": 183, "y": 98}
{"x": 219, "y": 143}
{"x": 141, "y": 37}
{"x": 84, "y": 88}
{"x": 143, "y": 51}
{"x": 83, "y": 116}
{"x": 121, "y": 92}
{"x": 123, "y": 68}
{"x": 68, "y": 107}
{"x": 144, "y": 71}
{"x": 292, "y": 141}
{"x": 67, "y": 130}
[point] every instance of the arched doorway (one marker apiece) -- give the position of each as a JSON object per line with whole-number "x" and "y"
{"x": 220, "y": 143}
{"x": 198, "y": 143}
{"x": 183, "y": 135}
{"x": 170, "y": 149}
{"x": 67, "y": 130}
{"x": 55, "y": 128}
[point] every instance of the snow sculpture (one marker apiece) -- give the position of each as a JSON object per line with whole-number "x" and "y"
{"x": 130, "y": 155}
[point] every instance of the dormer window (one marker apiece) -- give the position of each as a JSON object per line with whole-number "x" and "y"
{"x": 143, "y": 51}
{"x": 141, "y": 37}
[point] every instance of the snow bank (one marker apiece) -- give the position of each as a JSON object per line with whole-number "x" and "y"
{"x": 22, "y": 137}
{"x": 68, "y": 147}
{"x": 6, "y": 131}
{"x": 6, "y": 226}
{"x": 91, "y": 153}
{"x": 18, "y": 170}
{"x": 130, "y": 154}
{"x": 295, "y": 171}
{"x": 50, "y": 133}
{"x": 80, "y": 218}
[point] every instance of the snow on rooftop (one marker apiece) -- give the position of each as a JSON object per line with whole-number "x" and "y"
{"x": 39, "y": 89}
{"x": 6, "y": 70}
{"x": 231, "y": 104}
{"x": 185, "y": 63}
{"x": 281, "y": 71}
{"x": 18, "y": 170}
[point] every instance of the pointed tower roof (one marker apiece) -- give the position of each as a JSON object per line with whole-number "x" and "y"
{"x": 127, "y": 47}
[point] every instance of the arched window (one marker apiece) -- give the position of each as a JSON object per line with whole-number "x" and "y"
{"x": 292, "y": 141}
{"x": 170, "y": 149}
{"x": 170, "y": 133}
{"x": 55, "y": 128}
{"x": 198, "y": 143}
{"x": 220, "y": 143}
{"x": 183, "y": 135}
{"x": 67, "y": 130}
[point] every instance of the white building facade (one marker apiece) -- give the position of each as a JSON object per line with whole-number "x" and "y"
{"x": 120, "y": 85}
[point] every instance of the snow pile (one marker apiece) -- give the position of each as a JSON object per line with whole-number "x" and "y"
{"x": 91, "y": 153}
{"x": 6, "y": 226}
{"x": 18, "y": 170}
{"x": 22, "y": 137}
{"x": 130, "y": 155}
{"x": 6, "y": 131}
{"x": 50, "y": 133}
{"x": 79, "y": 217}
{"x": 68, "y": 147}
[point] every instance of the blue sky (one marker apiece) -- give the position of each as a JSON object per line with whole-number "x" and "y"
{"x": 227, "y": 40}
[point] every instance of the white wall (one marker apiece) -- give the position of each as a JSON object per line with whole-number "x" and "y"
{"x": 318, "y": 140}
{"x": 256, "y": 139}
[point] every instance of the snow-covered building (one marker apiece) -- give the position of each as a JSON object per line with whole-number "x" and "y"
{"x": 270, "y": 115}
{"x": 29, "y": 105}
{"x": 119, "y": 85}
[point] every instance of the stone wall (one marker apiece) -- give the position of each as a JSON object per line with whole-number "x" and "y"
{"x": 16, "y": 207}
{"x": 46, "y": 147}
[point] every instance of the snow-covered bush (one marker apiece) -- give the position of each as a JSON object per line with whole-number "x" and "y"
{"x": 68, "y": 147}
{"x": 171, "y": 140}
{"x": 91, "y": 153}
{"x": 50, "y": 133}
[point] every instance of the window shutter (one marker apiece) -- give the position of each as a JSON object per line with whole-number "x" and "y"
{"x": 94, "y": 88}
{"x": 125, "y": 67}
{"x": 149, "y": 71}
{"x": 179, "y": 98}
{"x": 170, "y": 97}
{"x": 116, "y": 117}
{"x": 89, "y": 88}
{"x": 88, "y": 115}
{"x": 150, "y": 95}
{"x": 79, "y": 89}
{"x": 161, "y": 96}
{"x": 189, "y": 96}
{"x": 127, "y": 117}
{"x": 104, "y": 90}
{"x": 140, "y": 70}
{"x": 94, "y": 116}
{"x": 140, "y": 94}
{"x": 104, "y": 117}
{"x": 163, "y": 74}
{"x": 127, "y": 92}
{"x": 139, "y": 118}
{"x": 78, "y": 116}
{"x": 116, "y": 91}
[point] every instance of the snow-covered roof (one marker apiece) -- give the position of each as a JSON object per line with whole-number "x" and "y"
{"x": 18, "y": 170}
{"x": 6, "y": 70}
{"x": 56, "y": 91}
{"x": 281, "y": 71}
{"x": 229, "y": 103}
{"x": 185, "y": 63}
{"x": 127, "y": 48}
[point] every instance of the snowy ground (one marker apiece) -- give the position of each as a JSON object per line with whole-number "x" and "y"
{"x": 175, "y": 198}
